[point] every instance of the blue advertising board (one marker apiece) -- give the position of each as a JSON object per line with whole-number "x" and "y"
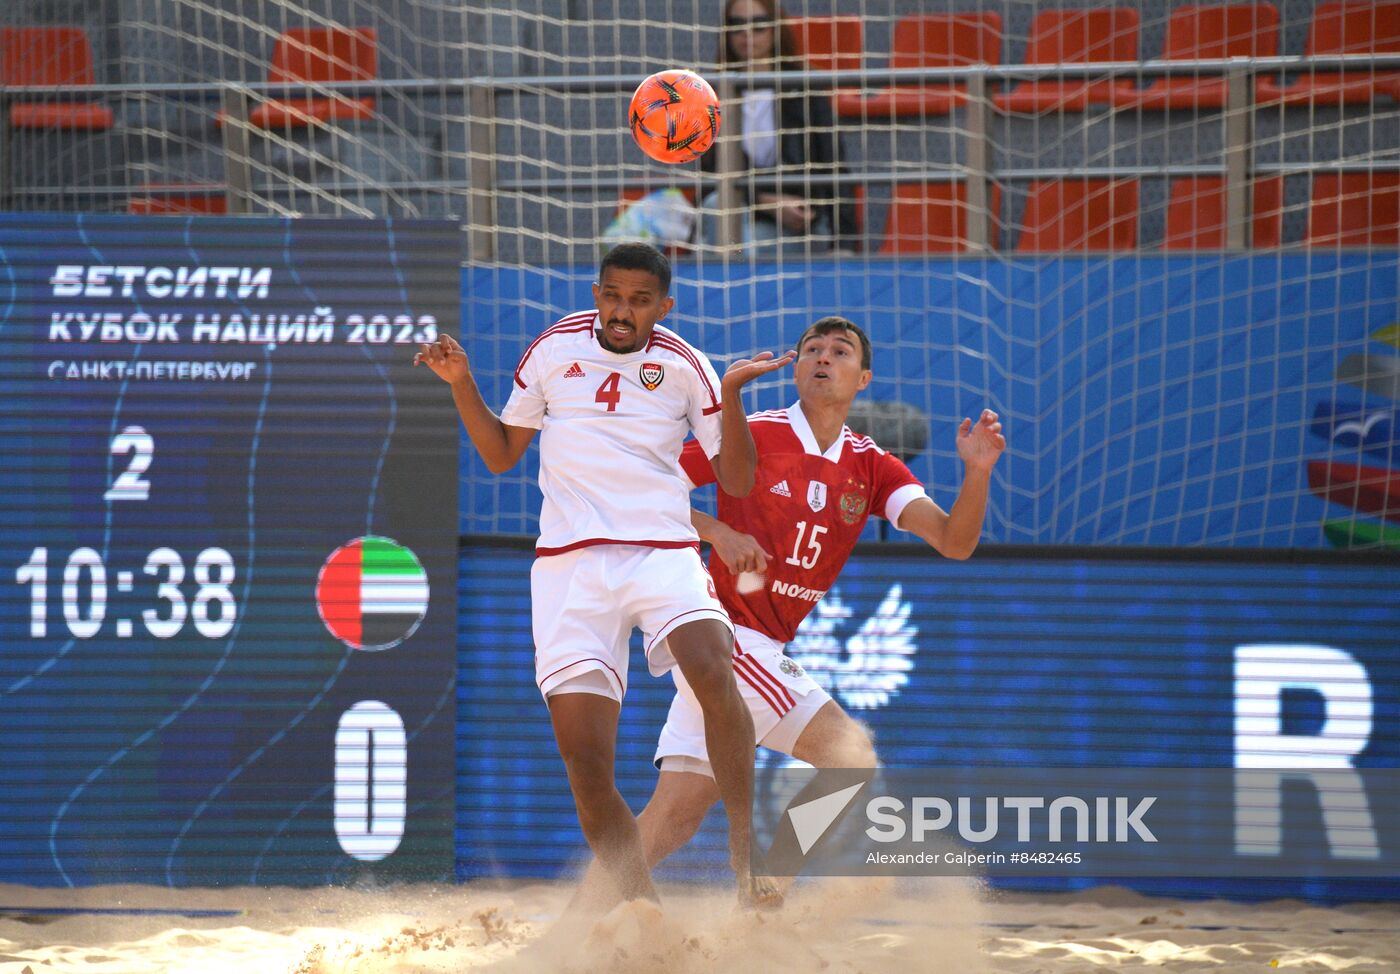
{"x": 1014, "y": 658}
{"x": 1244, "y": 401}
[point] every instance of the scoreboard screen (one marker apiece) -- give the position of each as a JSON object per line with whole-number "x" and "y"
{"x": 227, "y": 550}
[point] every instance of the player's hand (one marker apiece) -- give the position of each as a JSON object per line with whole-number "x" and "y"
{"x": 981, "y": 446}
{"x": 740, "y": 552}
{"x": 745, "y": 370}
{"x": 446, "y": 358}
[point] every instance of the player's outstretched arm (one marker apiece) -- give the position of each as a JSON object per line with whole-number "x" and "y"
{"x": 954, "y": 534}
{"x": 501, "y": 446}
{"x": 737, "y": 458}
{"x": 740, "y": 552}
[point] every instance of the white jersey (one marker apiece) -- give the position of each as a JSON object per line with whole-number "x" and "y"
{"x": 611, "y": 433}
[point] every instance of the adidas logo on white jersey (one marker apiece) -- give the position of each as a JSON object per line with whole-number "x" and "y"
{"x": 574, "y": 372}
{"x": 781, "y": 489}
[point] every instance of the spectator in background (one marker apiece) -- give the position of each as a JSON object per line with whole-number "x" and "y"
{"x": 788, "y": 144}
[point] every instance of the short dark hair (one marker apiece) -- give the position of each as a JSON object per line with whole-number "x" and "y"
{"x": 825, "y": 326}
{"x": 638, "y": 257}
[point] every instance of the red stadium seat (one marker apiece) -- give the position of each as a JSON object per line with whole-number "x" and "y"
{"x": 931, "y": 218}
{"x": 57, "y": 56}
{"x": 1196, "y": 213}
{"x": 1342, "y": 27}
{"x": 1075, "y": 37}
{"x": 1080, "y": 214}
{"x": 1355, "y": 210}
{"x": 1198, "y": 32}
{"x": 830, "y": 43}
{"x": 174, "y": 199}
{"x": 320, "y": 54}
{"x": 929, "y": 40}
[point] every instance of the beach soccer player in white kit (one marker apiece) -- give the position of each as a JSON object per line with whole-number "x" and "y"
{"x": 614, "y": 395}
{"x": 777, "y": 552}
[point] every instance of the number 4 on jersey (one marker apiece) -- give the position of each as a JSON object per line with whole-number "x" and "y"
{"x": 609, "y": 392}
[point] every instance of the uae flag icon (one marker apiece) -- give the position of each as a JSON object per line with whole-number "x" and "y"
{"x": 372, "y": 593}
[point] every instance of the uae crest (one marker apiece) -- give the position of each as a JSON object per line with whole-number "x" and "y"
{"x": 652, "y": 373}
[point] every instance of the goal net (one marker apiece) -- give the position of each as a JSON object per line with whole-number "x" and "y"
{"x": 1177, "y": 285}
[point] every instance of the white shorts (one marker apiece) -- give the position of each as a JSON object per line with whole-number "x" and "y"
{"x": 586, "y": 602}
{"x": 780, "y": 695}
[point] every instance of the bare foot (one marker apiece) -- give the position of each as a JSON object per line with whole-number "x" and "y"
{"x": 626, "y": 929}
{"x": 759, "y": 892}
{"x": 756, "y": 892}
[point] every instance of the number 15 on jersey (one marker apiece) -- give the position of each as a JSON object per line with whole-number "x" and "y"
{"x": 806, "y": 558}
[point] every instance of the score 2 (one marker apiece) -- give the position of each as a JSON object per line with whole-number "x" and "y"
{"x": 130, "y": 485}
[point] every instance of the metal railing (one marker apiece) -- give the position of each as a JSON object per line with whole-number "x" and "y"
{"x": 235, "y": 101}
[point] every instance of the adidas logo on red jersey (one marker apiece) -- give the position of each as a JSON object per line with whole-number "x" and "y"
{"x": 574, "y": 372}
{"x": 781, "y": 489}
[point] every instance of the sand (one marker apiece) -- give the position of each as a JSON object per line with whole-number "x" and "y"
{"x": 829, "y": 926}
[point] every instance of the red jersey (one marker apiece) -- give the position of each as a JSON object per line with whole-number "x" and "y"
{"x": 807, "y": 510}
